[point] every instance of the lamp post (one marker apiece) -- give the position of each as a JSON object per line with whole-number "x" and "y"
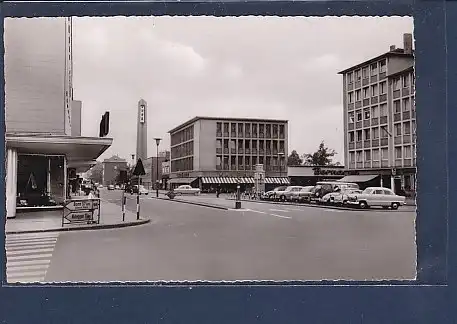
{"x": 131, "y": 171}
{"x": 157, "y": 165}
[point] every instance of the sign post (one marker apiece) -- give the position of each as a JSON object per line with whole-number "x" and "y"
{"x": 138, "y": 171}
{"x": 81, "y": 211}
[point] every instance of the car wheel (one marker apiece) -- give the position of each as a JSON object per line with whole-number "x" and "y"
{"x": 363, "y": 205}
{"x": 395, "y": 206}
{"x": 345, "y": 202}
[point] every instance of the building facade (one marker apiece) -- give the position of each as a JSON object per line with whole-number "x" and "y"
{"x": 142, "y": 131}
{"x": 208, "y": 151}
{"x": 380, "y": 118}
{"x": 166, "y": 167}
{"x": 43, "y": 147}
{"x": 111, "y": 169}
{"x": 150, "y": 166}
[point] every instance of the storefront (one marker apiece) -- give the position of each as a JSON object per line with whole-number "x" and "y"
{"x": 309, "y": 175}
{"x": 38, "y": 168}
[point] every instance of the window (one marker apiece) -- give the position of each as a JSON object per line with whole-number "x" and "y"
{"x": 378, "y": 192}
{"x": 413, "y": 126}
{"x": 218, "y": 159}
{"x": 350, "y": 77}
{"x": 357, "y": 95}
{"x": 351, "y": 97}
{"x": 385, "y": 153}
{"x": 366, "y": 92}
{"x": 351, "y": 137}
{"x": 397, "y": 129}
{"x": 398, "y": 152}
{"x": 397, "y": 107}
{"x": 406, "y": 104}
{"x": 383, "y": 110}
{"x": 407, "y": 152}
{"x": 218, "y": 144}
{"x": 351, "y": 157}
{"x": 366, "y": 114}
{"x": 382, "y": 66}
{"x": 374, "y": 90}
{"x": 359, "y": 156}
{"x": 375, "y": 155}
{"x": 351, "y": 117}
{"x": 374, "y": 68}
{"x": 375, "y": 132}
{"x": 396, "y": 84}
{"x": 367, "y": 155}
{"x": 374, "y": 112}
{"x": 359, "y": 135}
{"x": 384, "y": 132}
{"x": 367, "y": 134}
{"x": 405, "y": 81}
{"x": 365, "y": 72}
{"x": 359, "y": 116}
{"x": 383, "y": 87}
{"x": 407, "y": 128}
{"x": 357, "y": 75}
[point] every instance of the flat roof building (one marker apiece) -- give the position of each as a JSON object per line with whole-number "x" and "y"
{"x": 380, "y": 117}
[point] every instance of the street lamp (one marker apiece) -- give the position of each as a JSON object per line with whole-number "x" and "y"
{"x": 157, "y": 165}
{"x": 133, "y": 163}
{"x": 280, "y": 154}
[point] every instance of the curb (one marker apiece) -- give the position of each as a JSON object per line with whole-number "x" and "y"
{"x": 309, "y": 205}
{"x": 194, "y": 203}
{"x": 84, "y": 228}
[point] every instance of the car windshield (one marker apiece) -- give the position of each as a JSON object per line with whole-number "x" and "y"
{"x": 367, "y": 191}
{"x": 280, "y": 189}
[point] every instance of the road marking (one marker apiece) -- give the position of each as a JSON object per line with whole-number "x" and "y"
{"x": 279, "y": 210}
{"x": 280, "y": 216}
{"x": 275, "y": 215}
{"x": 295, "y": 209}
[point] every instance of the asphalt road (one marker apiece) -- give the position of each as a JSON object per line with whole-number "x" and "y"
{"x": 260, "y": 242}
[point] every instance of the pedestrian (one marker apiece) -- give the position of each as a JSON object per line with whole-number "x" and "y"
{"x": 218, "y": 190}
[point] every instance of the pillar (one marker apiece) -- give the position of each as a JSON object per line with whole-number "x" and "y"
{"x": 381, "y": 182}
{"x": 11, "y": 182}
{"x": 392, "y": 183}
{"x": 65, "y": 178}
{"x": 48, "y": 179}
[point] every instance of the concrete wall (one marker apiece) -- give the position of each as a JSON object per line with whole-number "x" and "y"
{"x": 207, "y": 149}
{"x": 142, "y": 133}
{"x": 35, "y": 62}
{"x": 76, "y": 108}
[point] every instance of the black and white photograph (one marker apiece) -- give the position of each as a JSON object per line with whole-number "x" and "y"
{"x": 209, "y": 149}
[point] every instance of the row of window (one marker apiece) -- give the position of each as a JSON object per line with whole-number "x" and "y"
{"x": 405, "y": 128}
{"x": 248, "y": 144}
{"x": 400, "y": 105}
{"x": 247, "y": 160}
{"x": 182, "y": 150}
{"x": 367, "y": 92}
{"x": 227, "y": 129}
{"x": 185, "y": 164}
{"x": 400, "y": 152}
{"x": 183, "y": 135}
{"x": 367, "y": 71}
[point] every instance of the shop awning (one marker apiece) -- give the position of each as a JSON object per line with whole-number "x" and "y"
{"x": 243, "y": 180}
{"x": 81, "y": 166}
{"x": 358, "y": 178}
{"x": 182, "y": 180}
{"x": 77, "y": 149}
{"x": 277, "y": 180}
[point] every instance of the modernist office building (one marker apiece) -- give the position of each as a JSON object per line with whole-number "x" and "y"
{"x": 44, "y": 146}
{"x": 206, "y": 151}
{"x": 380, "y": 118}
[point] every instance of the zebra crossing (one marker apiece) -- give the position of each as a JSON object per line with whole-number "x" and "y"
{"x": 28, "y": 256}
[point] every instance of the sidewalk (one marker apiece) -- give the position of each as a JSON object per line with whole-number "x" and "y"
{"x": 51, "y": 221}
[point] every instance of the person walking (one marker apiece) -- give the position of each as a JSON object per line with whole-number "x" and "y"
{"x": 218, "y": 190}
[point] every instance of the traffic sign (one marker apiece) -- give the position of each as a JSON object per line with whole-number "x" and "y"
{"x": 139, "y": 169}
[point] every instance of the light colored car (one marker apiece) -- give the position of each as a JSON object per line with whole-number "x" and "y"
{"x": 303, "y": 195}
{"x": 187, "y": 190}
{"x": 272, "y": 194}
{"x": 111, "y": 187}
{"x": 289, "y": 193}
{"x": 117, "y": 187}
{"x": 376, "y": 196}
{"x": 341, "y": 198}
{"x": 142, "y": 190}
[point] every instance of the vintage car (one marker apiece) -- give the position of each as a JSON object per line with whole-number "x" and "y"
{"x": 289, "y": 193}
{"x": 376, "y": 196}
{"x": 135, "y": 189}
{"x": 273, "y": 194}
{"x": 324, "y": 187}
{"x": 186, "y": 190}
{"x": 303, "y": 195}
{"x": 339, "y": 197}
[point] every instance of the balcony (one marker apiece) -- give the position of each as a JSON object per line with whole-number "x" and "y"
{"x": 414, "y": 138}
{"x": 374, "y": 100}
{"x": 405, "y": 92}
{"x": 240, "y": 151}
{"x": 357, "y": 84}
{"x": 385, "y": 164}
{"x": 351, "y": 126}
{"x": 254, "y": 135}
{"x": 383, "y": 120}
{"x": 397, "y": 117}
{"x": 218, "y": 167}
{"x": 397, "y": 140}
{"x": 233, "y": 134}
{"x": 367, "y": 164}
{"x": 396, "y": 94}
{"x": 375, "y": 164}
{"x": 247, "y": 151}
{"x": 261, "y": 135}
{"x": 374, "y": 79}
{"x": 406, "y": 114}
{"x": 247, "y": 135}
{"x": 359, "y": 165}
{"x": 268, "y": 135}
{"x": 358, "y": 124}
{"x": 350, "y": 86}
{"x": 358, "y": 104}
{"x": 351, "y": 165}
{"x": 413, "y": 114}
{"x": 226, "y": 134}
{"x": 398, "y": 162}
{"x": 365, "y": 82}
{"x": 275, "y": 135}
{"x": 406, "y": 139}
{"x": 384, "y": 141}
{"x": 240, "y": 167}
{"x": 254, "y": 151}
{"x": 219, "y": 150}
{"x": 218, "y": 134}
{"x": 366, "y": 102}
{"x": 366, "y": 123}
{"x": 226, "y": 167}
{"x": 375, "y": 142}
{"x": 407, "y": 162}
{"x": 374, "y": 121}
{"x": 261, "y": 151}
{"x": 351, "y": 145}
{"x": 350, "y": 106}
{"x": 358, "y": 145}
{"x": 275, "y": 151}
{"x": 366, "y": 143}
{"x": 233, "y": 151}
{"x": 268, "y": 151}
{"x": 282, "y": 136}
{"x": 240, "y": 134}
{"x": 382, "y": 76}
{"x": 226, "y": 150}
{"x": 383, "y": 97}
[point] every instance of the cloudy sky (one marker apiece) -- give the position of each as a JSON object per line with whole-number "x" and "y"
{"x": 267, "y": 67}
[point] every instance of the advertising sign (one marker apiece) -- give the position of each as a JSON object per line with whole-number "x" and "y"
{"x": 80, "y": 211}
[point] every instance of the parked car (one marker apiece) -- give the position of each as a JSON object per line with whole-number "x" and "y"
{"x": 111, "y": 187}
{"x": 338, "y": 197}
{"x": 186, "y": 190}
{"x": 272, "y": 194}
{"x": 303, "y": 195}
{"x": 117, "y": 187}
{"x": 376, "y": 196}
{"x": 288, "y": 193}
{"x": 324, "y": 187}
{"x": 142, "y": 190}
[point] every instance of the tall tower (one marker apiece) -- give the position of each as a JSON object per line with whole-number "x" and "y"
{"x": 142, "y": 131}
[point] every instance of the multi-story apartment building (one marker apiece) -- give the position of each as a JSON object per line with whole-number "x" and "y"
{"x": 44, "y": 146}
{"x": 225, "y": 150}
{"x": 380, "y": 118}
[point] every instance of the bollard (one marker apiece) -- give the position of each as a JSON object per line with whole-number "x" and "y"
{"x": 137, "y": 207}
{"x": 238, "y": 202}
{"x": 124, "y": 199}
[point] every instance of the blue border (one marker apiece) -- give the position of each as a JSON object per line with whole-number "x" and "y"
{"x": 428, "y": 300}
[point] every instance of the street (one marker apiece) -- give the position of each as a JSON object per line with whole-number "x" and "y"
{"x": 260, "y": 242}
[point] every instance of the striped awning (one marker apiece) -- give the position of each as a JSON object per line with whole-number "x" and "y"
{"x": 278, "y": 180}
{"x": 243, "y": 180}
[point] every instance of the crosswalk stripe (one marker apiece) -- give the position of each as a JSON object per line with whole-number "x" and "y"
{"x": 11, "y": 269}
{"x": 30, "y": 247}
{"x": 26, "y": 280}
{"x": 27, "y": 262}
{"x": 27, "y": 274}
{"x": 30, "y": 236}
{"x": 31, "y": 239}
{"x": 29, "y": 257}
{"x": 28, "y": 251}
{"x": 30, "y": 242}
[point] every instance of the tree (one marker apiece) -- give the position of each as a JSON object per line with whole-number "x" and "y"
{"x": 294, "y": 159}
{"x": 96, "y": 173}
{"x": 323, "y": 156}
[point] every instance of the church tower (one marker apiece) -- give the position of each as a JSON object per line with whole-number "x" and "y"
{"x": 142, "y": 131}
